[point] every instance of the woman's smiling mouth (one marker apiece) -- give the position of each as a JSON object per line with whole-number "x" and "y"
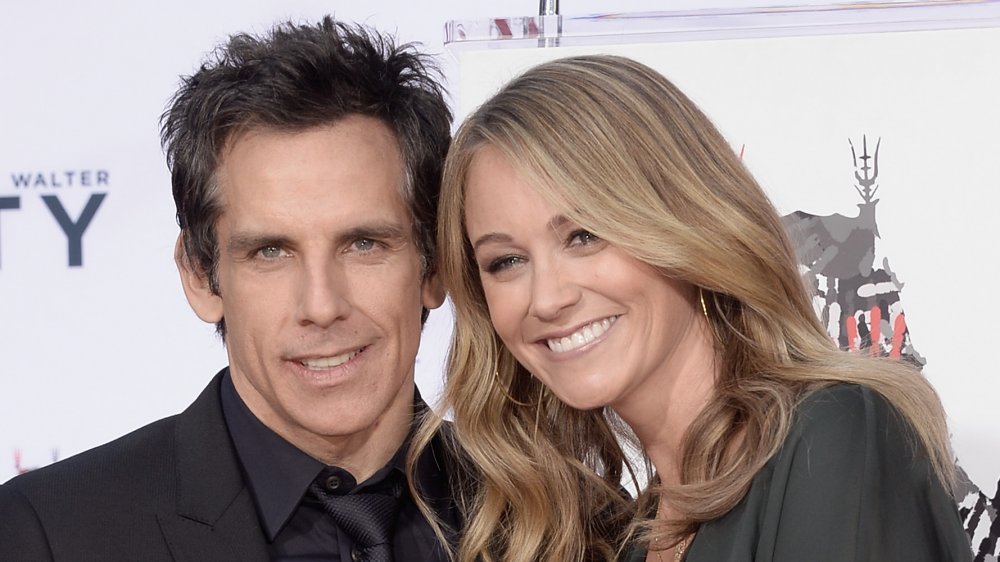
{"x": 581, "y": 337}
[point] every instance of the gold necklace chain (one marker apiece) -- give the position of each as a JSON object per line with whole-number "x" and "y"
{"x": 678, "y": 550}
{"x": 681, "y": 547}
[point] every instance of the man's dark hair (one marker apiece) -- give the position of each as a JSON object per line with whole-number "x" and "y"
{"x": 294, "y": 78}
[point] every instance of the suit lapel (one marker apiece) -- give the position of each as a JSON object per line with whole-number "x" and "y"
{"x": 216, "y": 518}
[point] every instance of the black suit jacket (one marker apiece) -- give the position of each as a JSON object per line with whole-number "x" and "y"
{"x": 170, "y": 491}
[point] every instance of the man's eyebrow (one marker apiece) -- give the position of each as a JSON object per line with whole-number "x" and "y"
{"x": 245, "y": 242}
{"x": 242, "y": 243}
{"x": 376, "y": 231}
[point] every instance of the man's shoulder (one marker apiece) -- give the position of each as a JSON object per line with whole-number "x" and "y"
{"x": 107, "y": 491}
{"x": 173, "y": 486}
{"x": 134, "y": 460}
{"x": 140, "y": 462}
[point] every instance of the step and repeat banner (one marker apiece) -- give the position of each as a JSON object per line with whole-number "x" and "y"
{"x": 879, "y": 144}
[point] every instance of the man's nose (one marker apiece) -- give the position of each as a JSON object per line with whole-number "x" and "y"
{"x": 324, "y": 293}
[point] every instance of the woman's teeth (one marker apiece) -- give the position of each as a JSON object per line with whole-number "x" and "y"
{"x": 581, "y": 337}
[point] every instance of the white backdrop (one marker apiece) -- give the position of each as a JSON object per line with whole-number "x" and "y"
{"x": 795, "y": 106}
{"x": 91, "y": 351}
{"x": 792, "y": 104}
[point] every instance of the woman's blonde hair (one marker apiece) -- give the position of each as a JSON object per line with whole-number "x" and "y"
{"x": 621, "y": 151}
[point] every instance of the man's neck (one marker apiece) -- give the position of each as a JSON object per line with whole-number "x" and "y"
{"x": 362, "y": 453}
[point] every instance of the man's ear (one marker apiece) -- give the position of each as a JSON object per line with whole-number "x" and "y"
{"x": 205, "y": 303}
{"x": 432, "y": 292}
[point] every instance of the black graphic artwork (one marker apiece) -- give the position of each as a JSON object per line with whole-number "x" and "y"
{"x": 860, "y": 304}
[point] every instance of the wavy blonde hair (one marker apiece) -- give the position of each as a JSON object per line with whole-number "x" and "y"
{"x": 621, "y": 151}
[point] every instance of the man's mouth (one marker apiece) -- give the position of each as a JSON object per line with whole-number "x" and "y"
{"x": 321, "y": 363}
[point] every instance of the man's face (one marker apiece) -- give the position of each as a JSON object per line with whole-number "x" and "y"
{"x": 319, "y": 281}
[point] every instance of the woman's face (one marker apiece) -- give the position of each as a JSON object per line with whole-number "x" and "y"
{"x": 594, "y": 324}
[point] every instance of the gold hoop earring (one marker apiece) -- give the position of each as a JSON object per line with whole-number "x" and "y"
{"x": 506, "y": 393}
{"x": 701, "y": 297}
{"x": 538, "y": 408}
{"x": 715, "y": 306}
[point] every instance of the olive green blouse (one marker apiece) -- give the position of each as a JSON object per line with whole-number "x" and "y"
{"x": 848, "y": 484}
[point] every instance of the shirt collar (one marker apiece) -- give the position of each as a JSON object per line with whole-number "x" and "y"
{"x": 278, "y": 473}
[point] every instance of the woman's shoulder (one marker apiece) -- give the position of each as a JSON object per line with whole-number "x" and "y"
{"x": 850, "y": 434}
{"x": 838, "y": 398}
{"x": 844, "y": 413}
{"x": 847, "y": 433}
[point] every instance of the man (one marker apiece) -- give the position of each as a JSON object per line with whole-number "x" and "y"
{"x": 305, "y": 168}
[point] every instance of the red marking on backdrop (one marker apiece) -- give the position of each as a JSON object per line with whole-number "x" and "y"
{"x": 503, "y": 27}
{"x": 876, "y": 331}
{"x": 897, "y": 337}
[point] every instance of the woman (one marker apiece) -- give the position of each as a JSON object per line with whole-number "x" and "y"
{"x": 610, "y": 259}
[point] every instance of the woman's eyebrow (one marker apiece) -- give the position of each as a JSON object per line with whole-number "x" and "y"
{"x": 491, "y": 237}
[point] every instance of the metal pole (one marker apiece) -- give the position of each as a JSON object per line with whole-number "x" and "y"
{"x": 549, "y": 23}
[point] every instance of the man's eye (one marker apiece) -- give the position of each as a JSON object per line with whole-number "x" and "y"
{"x": 270, "y": 252}
{"x": 364, "y": 244}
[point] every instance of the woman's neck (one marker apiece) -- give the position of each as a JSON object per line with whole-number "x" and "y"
{"x": 661, "y": 413}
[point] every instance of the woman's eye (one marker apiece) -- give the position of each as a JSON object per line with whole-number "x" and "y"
{"x": 502, "y": 263}
{"x": 582, "y": 238}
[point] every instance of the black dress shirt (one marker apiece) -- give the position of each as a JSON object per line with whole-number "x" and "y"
{"x": 279, "y": 475}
